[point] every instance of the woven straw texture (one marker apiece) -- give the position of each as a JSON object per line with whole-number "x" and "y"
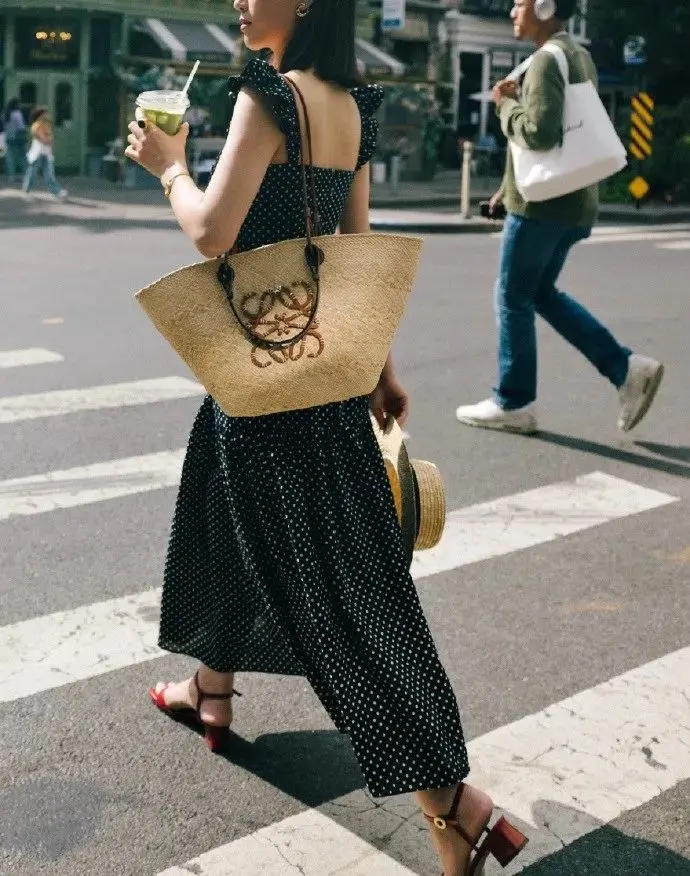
{"x": 365, "y": 283}
{"x": 432, "y": 500}
{"x": 430, "y": 513}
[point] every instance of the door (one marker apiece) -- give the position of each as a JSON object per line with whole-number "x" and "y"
{"x": 59, "y": 93}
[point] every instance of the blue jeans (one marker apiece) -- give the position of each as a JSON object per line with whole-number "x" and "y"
{"x": 44, "y": 165}
{"x": 532, "y": 257}
{"x": 15, "y": 158}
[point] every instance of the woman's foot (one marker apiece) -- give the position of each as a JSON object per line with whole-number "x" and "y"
{"x": 185, "y": 695}
{"x": 474, "y": 812}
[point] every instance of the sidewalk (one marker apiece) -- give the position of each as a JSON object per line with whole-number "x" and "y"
{"x": 417, "y": 207}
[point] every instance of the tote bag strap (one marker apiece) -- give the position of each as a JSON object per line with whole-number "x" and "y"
{"x": 313, "y": 255}
{"x": 552, "y": 49}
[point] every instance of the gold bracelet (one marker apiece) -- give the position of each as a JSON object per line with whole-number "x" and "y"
{"x": 167, "y": 187}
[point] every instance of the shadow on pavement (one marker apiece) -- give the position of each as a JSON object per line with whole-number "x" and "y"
{"x": 619, "y": 455}
{"x": 680, "y": 453}
{"x": 608, "y": 852}
{"x": 314, "y": 767}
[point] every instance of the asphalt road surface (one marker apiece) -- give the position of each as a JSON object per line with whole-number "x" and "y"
{"x": 559, "y": 600}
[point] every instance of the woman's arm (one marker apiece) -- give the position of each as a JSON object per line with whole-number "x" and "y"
{"x": 389, "y": 397}
{"x": 212, "y": 219}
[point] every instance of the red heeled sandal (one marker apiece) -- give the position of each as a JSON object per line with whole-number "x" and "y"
{"x": 503, "y": 841}
{"x": 217, "y": 737}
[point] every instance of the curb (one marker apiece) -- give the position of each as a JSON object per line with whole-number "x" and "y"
{"x": 475, "y": 225}
{"x": 459, "y": 226}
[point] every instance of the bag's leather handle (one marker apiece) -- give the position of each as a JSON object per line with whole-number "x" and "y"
{"x": 313, "y": 255}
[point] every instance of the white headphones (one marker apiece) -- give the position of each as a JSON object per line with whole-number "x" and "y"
{"x": 545, "y": 10}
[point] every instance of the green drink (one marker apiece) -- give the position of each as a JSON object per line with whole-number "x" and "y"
{"x": 165, "y": 109}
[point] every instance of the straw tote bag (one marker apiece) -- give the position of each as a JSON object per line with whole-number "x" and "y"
{"x": 290, "y": 325}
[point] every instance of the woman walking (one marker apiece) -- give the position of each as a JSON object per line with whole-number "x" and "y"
{"x": 15, "y": 137}
{"x": 40, "y": 155}
{"x": 286, "y": 555}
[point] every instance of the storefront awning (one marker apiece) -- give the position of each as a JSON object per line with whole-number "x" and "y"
{"x": 374, "y": 61}
{"x": 189, "y": 40}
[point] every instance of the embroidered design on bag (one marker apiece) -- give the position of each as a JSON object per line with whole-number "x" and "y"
{"x": 277, "y": 314}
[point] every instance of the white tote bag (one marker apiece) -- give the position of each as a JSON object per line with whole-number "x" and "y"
{"x": 591, "y": 150}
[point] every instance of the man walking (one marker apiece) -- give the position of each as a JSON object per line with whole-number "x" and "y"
{"x": 537, "y": 238}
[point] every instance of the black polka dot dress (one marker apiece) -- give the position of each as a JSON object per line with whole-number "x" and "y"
{"x": 285, "y": 554}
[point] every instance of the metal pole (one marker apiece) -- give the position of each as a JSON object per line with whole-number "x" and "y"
{"x": 465, "y": 186}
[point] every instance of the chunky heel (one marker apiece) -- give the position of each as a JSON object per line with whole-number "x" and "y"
{"x": 217, "y": 738}
{"x": 504, "y": 842}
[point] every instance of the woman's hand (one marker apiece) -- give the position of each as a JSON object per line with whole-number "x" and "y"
{"x": 389, "y": 399}
{"x": 154, "y": 150}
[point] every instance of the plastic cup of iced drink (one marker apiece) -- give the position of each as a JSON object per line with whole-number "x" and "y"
{"x": 165, "y": 109}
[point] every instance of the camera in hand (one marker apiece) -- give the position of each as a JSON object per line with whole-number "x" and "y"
{"x": 498, "y": 212}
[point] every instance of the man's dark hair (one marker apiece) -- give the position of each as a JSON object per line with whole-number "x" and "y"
{"x": 12, "y": 105}
{"x": 565, "y": 9}
{"x": 324, "y": 40}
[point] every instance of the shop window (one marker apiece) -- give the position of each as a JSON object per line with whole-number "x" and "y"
{"x": 64, "y": 100}
{"x": 28, "y": 96}
{"x": 100, "y": 42}
{"x": 45, "y": 43}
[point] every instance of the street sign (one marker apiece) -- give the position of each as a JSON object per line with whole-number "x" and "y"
{"x": 392, "y": 14}
{"x": 635, "y": 51}
{"x": 641, "y": 124}
{"x": 638, "y": 188}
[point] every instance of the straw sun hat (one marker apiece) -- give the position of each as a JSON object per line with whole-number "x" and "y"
{"x": 417, "y": 490}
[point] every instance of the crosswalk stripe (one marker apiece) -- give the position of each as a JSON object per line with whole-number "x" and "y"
{"x": 84, "y": 485}
{"x": 564, "y": 771}
{"x": 57, "y": 649}
{"x": 678, "y": 244}
{"x": 16, "y": 408}
{"x": 534, "y": 517}
{"x": 476, "y": 533}
{"x": 32, "y": 356}
{"x": 634, "y": 237}
{"x": 308, "y": 843}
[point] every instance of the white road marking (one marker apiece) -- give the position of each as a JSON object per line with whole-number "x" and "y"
{"x": 33, "y": 356}
{"x": 582, "y": 762}
{"x": 475, "y": 533}
{"x": 86, "y": 484}
{"x": 57, "y": 649}
{"x": 308, "y": 844}
{"x": 565, "y": 771}
{"x": 678, "y": 244}
{"x": 116, "y": 395}
{"x": 635, "y": 237}
{"x": 513, "y": 523}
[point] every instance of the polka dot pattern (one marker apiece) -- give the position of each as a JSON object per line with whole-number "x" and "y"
{"x": 285, "y": 554}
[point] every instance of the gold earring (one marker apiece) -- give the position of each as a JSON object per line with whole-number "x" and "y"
{"x": 302, "y": 10}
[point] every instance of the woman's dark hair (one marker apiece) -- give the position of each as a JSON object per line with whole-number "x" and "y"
{"x": 36, "y": 113}
{"x": 12, "y": 105}
{"x": 324, "y": 40}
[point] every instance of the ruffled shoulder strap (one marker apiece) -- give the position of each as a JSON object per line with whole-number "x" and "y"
{"x": 265, "y": 81}
{"x": 368, "y": 99}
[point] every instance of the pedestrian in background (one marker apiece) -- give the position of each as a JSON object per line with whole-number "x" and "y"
{"x": 15, "y": 138}
{"x": 537, "y": 238}
{"x": 286, "y": 555}
{"x": 40, "y": 156}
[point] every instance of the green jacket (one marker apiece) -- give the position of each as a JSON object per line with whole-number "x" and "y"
{"x": 535, "y": 122}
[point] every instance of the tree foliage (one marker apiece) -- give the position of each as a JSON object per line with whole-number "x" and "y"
{"x": 665, "y": 24}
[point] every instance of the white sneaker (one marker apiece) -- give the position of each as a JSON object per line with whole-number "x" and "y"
{"x": 488, "y": 415}
{"x": 637, "y": 393}
{"x": 62, "y": 195}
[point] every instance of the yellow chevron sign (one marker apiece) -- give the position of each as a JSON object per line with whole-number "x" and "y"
{"x": 641, "y": 125}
